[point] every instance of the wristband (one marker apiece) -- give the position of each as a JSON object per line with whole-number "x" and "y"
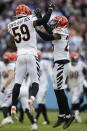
{"x": 50, "y": 8}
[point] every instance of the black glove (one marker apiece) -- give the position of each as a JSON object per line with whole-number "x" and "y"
{"x": 38, "y": 13}
{"x": 51, "y": 5}
{"x": 3, "y": 90}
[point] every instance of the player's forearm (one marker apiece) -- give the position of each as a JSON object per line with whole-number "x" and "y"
{"x": 9, "y": 80}
{"x": 48, "y": 28}
{"x": 45, "y": 36}
{"x": 43, "y": 20}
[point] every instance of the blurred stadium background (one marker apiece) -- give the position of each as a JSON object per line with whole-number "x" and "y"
{"x": 74, "y": 10}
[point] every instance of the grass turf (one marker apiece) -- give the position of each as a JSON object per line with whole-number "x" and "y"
{"x": 26, "y": 126}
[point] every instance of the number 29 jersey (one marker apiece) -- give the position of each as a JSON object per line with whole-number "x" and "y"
{"x": 24, "y": 35}
{"x": 61, "y": 47}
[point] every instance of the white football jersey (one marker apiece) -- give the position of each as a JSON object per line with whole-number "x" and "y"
{"x": 24, "y": 35}
{"x": 61, "y": 47}
{"x": 76, "y": 76}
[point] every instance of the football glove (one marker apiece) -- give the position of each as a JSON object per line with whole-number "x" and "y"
{"x": 51, "y": 5}
{"x": 38, "y": 13}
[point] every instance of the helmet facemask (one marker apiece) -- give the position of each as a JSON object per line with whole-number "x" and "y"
{"x": 53, "y": 23}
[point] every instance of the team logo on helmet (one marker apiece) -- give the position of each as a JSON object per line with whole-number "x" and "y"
{"x": 59, "y": 22}
{"x": 23, "y": 10}
{"x": 62, "y": 21}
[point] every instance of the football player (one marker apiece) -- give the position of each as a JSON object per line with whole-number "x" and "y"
{"x": 77, "y": 70}
{"x": 22, "y": 33}
{"x": 3, "y": 75}
{"x": 3, "y": 69}
{"x": 7, "y": 90}
{"x": 45, "y": 71}
{"x": 58, "y": 34}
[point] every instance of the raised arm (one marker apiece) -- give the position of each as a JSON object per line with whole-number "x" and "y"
{"x": 46, "y": 26}
{"x": 45, "y": 19}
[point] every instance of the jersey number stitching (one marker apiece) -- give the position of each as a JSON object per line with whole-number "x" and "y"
{"x": 67, "y": 46}
{"x": 24, "y": 30}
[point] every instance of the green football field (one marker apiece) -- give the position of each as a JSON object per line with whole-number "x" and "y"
{"x": 26, "y": 126}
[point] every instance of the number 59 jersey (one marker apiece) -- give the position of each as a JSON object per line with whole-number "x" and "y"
{"x": 61, "y": 47}
{"x": 24, "y": 35}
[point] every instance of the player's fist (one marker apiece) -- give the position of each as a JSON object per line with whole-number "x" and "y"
{"x": 38, "y": 13}
{"x": 3, "y": 90}
{"x": 51, "y": 5}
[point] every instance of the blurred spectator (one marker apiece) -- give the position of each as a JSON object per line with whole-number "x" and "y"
{"x": 76, "y": 41}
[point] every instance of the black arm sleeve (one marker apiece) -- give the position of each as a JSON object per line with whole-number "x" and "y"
{"x": 45, "y": 19}
{"x": 48, "y": 28}
{"x": 38, "y": 15}
{"x": 45, "y": 36}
